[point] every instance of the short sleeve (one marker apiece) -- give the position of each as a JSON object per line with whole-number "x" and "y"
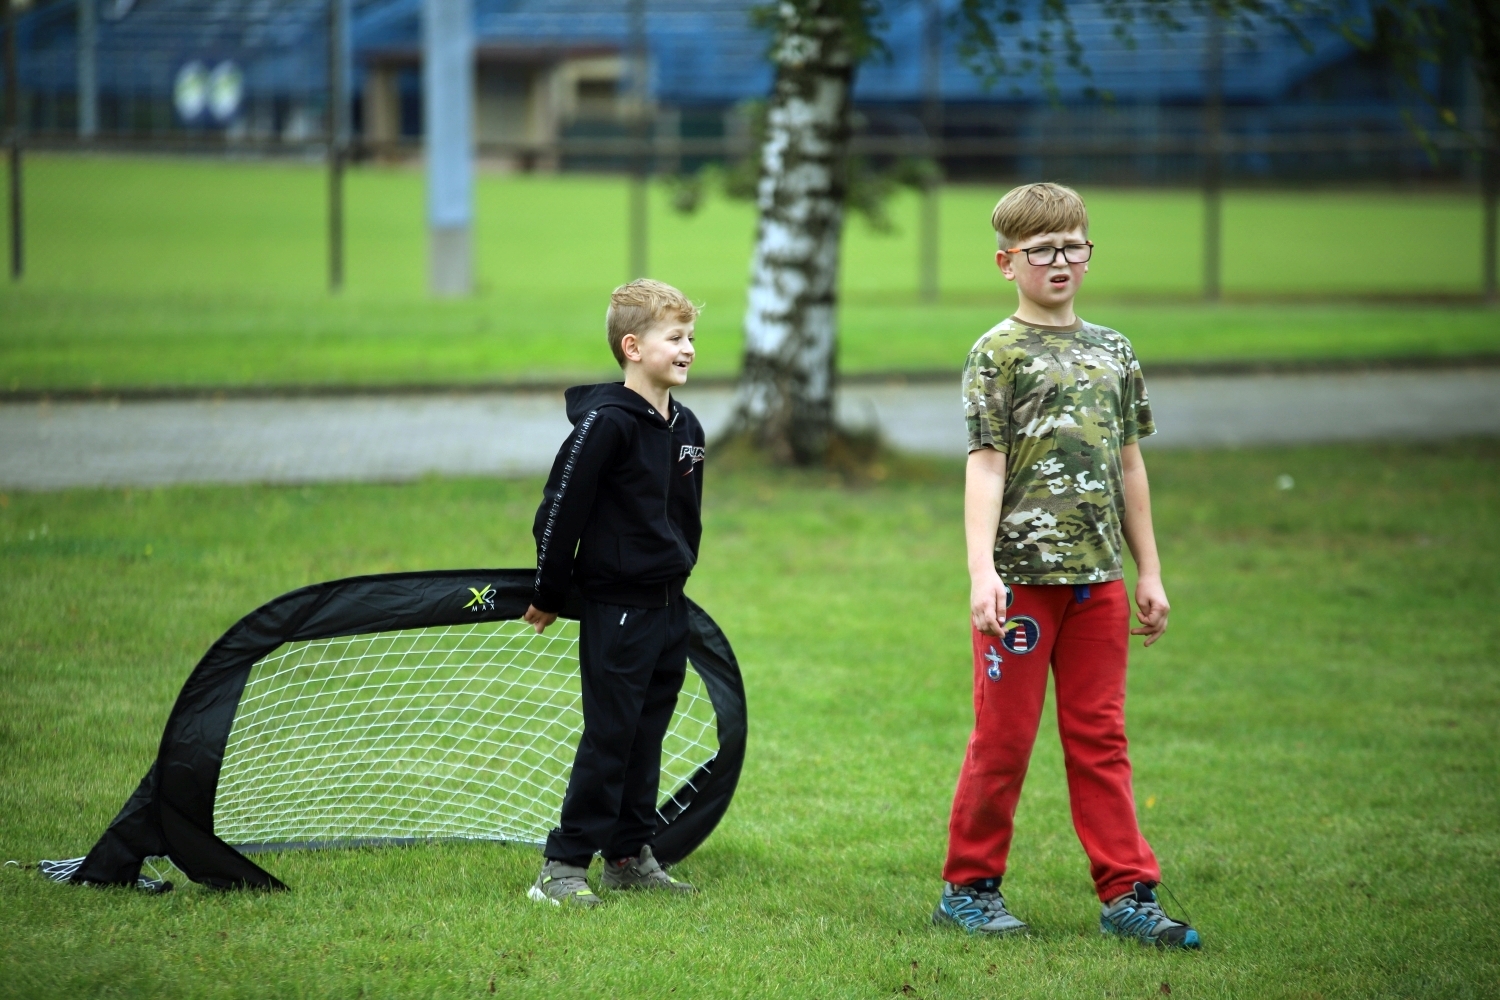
{"x": 989, "y": 392}
{"x": 1135, "y": 404}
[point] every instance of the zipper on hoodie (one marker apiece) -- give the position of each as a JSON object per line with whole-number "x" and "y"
{"x": 666, "y": 509}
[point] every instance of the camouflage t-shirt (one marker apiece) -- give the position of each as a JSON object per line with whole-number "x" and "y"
{"x": 1061, "y": 404}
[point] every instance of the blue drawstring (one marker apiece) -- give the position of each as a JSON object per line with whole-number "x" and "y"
{"x": 1080, "y": 592}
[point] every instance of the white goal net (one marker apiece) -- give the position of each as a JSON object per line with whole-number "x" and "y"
{"x": 464, "y": 732}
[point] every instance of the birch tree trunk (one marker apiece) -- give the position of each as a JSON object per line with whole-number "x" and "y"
{"x": 785, "y": 402}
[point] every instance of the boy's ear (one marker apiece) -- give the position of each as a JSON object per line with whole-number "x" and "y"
{"x": 630, "y": 346}
{"x": 1006, "y": 265}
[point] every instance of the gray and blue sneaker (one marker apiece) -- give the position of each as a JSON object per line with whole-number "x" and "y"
{"x": 563, "y": 885}
{"x": 1139, "y": 916}
{"x": 977, "y": 908}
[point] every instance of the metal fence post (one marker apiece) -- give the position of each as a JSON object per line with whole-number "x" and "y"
{"x": 338, "y": 136}
{"x": 13, "y": 142}
{"x": 639, "y": 167}
{"x": 1213, "y": 144}
{"x": 88, "y": 68}
{"x": 932, "y": 122}
{"x": 1489, "y": 182}
{"x": 448, "y": 127}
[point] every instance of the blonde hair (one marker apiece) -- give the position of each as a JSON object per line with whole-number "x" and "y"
{"x": 1031, "y": 209}
{"x": 640, "y": 305}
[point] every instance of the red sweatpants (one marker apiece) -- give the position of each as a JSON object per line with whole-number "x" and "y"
{"x": 1085, "y": 639}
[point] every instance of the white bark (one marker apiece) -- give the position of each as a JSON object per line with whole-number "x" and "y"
{"x": 786, "y": 391}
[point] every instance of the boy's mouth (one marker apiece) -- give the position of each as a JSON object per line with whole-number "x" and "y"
{"x": 1059, "y": 279}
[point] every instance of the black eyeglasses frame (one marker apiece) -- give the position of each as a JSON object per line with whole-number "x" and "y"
{"x": 1028, "y": 251}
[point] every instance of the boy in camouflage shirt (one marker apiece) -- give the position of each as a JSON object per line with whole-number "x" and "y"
{"x": 1055, "y": 482}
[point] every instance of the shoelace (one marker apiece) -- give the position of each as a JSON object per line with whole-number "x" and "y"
{"x": 991, "y": 904}
{"x": 1150, "y": 915}
{"x": 994, "y": 905}
{"x": 1187, "y": 918}
{"x": 1146, "y": 918}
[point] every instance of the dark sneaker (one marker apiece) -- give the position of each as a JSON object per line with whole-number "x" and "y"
{"x": 563, "y": 885}
{"x": 640, "y": 873}
{"x": 1139, "y": 916}
{"x": 977, "y": 908}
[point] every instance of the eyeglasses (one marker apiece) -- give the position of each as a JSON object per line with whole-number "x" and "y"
{"x": 1073, "y": 253}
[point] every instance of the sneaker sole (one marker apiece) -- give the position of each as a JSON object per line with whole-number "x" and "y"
{"x": 536, "y": 895}
{"x": 941, "y": 919}
{"x": 1190, "y": 942}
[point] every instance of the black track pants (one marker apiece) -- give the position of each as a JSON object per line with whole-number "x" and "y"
{"x": 632, "y": 661}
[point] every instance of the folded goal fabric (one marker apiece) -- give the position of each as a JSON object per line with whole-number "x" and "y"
{"x": 399, "y": 708}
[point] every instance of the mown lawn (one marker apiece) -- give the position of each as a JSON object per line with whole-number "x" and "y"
{"x": 167, "y": 273}
{"x": 1315, "y": 746}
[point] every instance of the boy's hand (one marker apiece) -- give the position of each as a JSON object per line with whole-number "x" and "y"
{"x": 987, "y": 603}
{"x": 538, "y": 620}
{"x": 1151, "y": 608}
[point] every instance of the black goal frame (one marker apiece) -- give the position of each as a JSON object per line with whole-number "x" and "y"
{"x": 171, "y": 813}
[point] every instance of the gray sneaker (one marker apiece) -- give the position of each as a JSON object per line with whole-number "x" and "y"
{"x": 1139, "y": 916}
{"x": 563, "y": 885}
{"x": 977, "y": 908}
{"x": 641, "y": 873}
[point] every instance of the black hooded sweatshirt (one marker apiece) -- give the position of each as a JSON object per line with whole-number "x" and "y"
{"x": 619, "y": 517}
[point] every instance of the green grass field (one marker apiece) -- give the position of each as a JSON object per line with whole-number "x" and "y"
{"x": 170, "y": 273}
{"x": 1315, "y": 745}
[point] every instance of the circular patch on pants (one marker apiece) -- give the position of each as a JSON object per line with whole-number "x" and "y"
{"x": 1021, "y": 634}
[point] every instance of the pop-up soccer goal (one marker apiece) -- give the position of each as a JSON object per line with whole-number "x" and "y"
{"x": 395, "y": 709}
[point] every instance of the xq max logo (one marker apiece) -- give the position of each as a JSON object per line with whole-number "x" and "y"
{"x": 690, "y": 451}
{"x": 483, "y": 600}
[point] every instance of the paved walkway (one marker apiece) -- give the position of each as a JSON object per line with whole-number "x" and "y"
{"x": 372, "y": 438}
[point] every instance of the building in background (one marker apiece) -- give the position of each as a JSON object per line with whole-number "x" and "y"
{"x": 552, "y": 75}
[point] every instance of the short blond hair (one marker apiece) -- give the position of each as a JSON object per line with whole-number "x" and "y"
{"x": 1031, "y": 209}
{"x": 640, "y": 305}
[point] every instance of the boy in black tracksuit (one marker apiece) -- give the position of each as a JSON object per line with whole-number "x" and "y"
{"x": 619, "y": 520}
